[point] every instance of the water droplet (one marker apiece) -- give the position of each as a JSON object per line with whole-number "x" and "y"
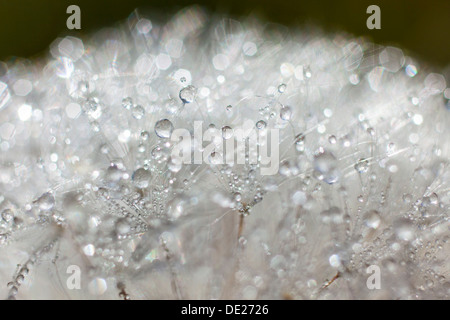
{"x": 97, "y": 286}
{"x": 93, "y": 108}
{"x": 19, "y": 279}
{"x": 157, "y": 153}
{"x": 215, "y": 158}
{"x": 227, "y": 132}
{"x": 127, "y": 103}
{"x": 325, "y": 166}
{"x": 434, "y": 199}
{"x": 300, "y": 142}
{"x": 300, "y": 138}
{"x": 164, "y": 128}
{"x": 261, "y": 124}
{"x": 285, "y": 113}
{"x": 89, "y": 250}
{"x": 46, "y": 201}
{"x": 187, "y": 94}
{"x": 362, "y": 165}
{"x": 307, "y": 72}
{"x": 299, "y": 198}
{"x": 145, "y": 135}
{"x": 282, "y": 88}
{"x": 138, "y": 112}
{"x": 332, "y": 139}
{"x": 372, "y": 219}
{"x": 113, "y": 174}
{"x": 141, "y": 178}
{"x": 335, "y": 261}
{"x": 7, "y": 215}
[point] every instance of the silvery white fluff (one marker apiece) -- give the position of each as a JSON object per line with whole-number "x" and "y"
{"x": 88, "y": 182}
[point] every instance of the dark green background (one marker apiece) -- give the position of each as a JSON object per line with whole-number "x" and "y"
{"x": 27, "y": 27}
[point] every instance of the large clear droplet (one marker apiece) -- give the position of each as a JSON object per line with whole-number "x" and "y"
{"x": 46, "y": 201}
{"x": 138, "y": 112}
{"x": 285, "y": 113}
{"x": 187, "y": 94}
{"x": 141, "y": 178}
{"x": 164, "y": 128}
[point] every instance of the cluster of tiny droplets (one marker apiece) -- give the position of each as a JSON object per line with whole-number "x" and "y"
{"x": 87, "y": 178}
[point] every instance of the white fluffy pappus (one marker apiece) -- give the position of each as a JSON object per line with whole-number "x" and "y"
{"x": 87, "y": 178}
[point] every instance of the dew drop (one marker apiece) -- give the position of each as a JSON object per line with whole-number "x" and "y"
{"x": 299, "y": 198}
{"x": 164, "y": 128}
{"x": 138, "y": 112}
{"x": 372, "y": 219}
{"x": 227, "y": 132}
{"x": 187, "y": 94}
{"x": 285, "y": 113}
{"x": 127, "y": 103}
{"x": 335, "y": 261}
{"x": 93, "y": 108}
{"x": 332, "y": 139}
{"x": 145, "y": 135}
{"x": 7, "y": 215}
{"x": 141, "y": 178}
{"x": 300, "y": 142}
{"x": 300, "y": 138}
{"x": 157, "y": 153}
{"x": 97, "y": 286}
{"x": 46, "y": 201}
{"x": 282, "y": 88}
{"x": 215, "y": 158}
{"x": 261, "y": 124}
{"x": 362, "y": 165}
{"x": 89, "y": 250}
